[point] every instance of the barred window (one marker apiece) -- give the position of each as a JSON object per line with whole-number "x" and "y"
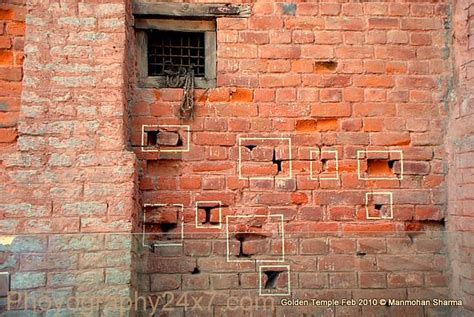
{"x": 172, "y": 51}
{"x": 170, "y": 47}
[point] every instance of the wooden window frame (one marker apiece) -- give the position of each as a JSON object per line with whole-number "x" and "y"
{"x": 183, "y": 17}
{"x": 205, "y": 26}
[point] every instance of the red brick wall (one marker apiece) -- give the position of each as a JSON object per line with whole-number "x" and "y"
{"x": 460, "y": 145}
{"x": 339, "y": 76}
{"x": 12, "y": 31}
{"x": 69, "y": 180}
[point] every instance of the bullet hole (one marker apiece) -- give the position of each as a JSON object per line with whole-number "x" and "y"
{"x": 377, "y": 167}
{"x": 272, "y": 277}
{"x": 324, "y": 163}
{"x": 378, "y": 207}
{"x": 152, "y": 137}
{"x": 325, "y": 66}
{"x": 196, "y": 270}
{"x": 167, "y": 227}
{"x": 360, "y": 253}
{"x": 391, "y": 163}
{"x": 241, "y": 239}
{"x": 163, "y": 138}
{"x": 277, "y": 162}
{"x": 180, "y": 141}
{"x": 207, "y": 211}
{"x": 250, "y": 147}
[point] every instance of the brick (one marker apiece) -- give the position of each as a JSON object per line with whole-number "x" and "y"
{"x": 383, "y": 23}
{"x": 375, "y": 8}
{"x": 225, "y": 281}
{"x": 285, "y": 95}
{"x": 331, "y": 110}
{"x": 231, "y": 23}
{"x": 16, "y": 28}
{"x": 334, "y": 81}
{"x": 267, "y": 80}
{"x": 374, "y": 81}
{"x": 391, "y": 138}
{"x": 280, "y": 51}
{"x": 280, "y": 37}
{"x": 343, "y": 280}
{"x": 241, "y": 95}
{"x": 279, "y": 66}
{"x": 307, "y": 9}
{"x": 265, "y": 95}
{"x": 330, "y": 95}
{"x": 304, "y": 23}
{"x": 84, "y": 208}
{"x": 329, "y": 8}
{"x": 391, "y": 53}
{"x": 303, "y": 36}
{"x": 265, "y": 23}
{"x": 354, "y": 52}
{"x": 8, "y": 135}
{"x": 336, "y": 263}
{"x": 372, "y": 280}
{"x": 352, "y": 125}
{"x": 165, "y": 282}
{"x": 6, "y": 58}
{"x": 313, "y": 280}
{"x": 349, "y": 24}
{"x": 420, "y": 24}
{"x": 206, "y": 138}
{"x": 263, "y": 8}
{"x": 27, "y": 280}
{"x": 352, "y": 94}
{"x": 399, "y": 9}
{"x": 254, "y": 37}
{"x": 397, "y": 37}
{"x": 420, "y": 39}
{"x": 325, "y": 37}
{"x": 354, "y": 38}
{"x": 6, "y": 14}
{"x": 314, "y": 246}
{"x": 339, "y": 213}
{"x": 342, "y": 246}
{"x": 352, "y": 9}
{"x": 5, "y": 42}
{"x": 311, "y": 213}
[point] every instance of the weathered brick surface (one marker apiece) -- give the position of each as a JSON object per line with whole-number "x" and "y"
{"x": 69, "y": 175}
{"x": 12, "y": 33}
{"x": 329, "y": 76}
{"x": 460, "y": 147}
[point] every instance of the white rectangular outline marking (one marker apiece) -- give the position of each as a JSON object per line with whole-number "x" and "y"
{"x": 188, "y": 136}
{"x": 260, "y": 280}
{"x": 290, "y": 167}
{"x": 163, "y": 244}
{"x": 359, "y": 176}
{"x": 282, "y": 228}
{"x": 390, "y": 194}
{"x": 320, "y": 152}
{"x": 219, "y": 226}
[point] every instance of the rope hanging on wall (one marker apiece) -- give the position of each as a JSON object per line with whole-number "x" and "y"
{"x": 183, "y": 78}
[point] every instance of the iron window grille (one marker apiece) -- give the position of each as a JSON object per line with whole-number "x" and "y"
{"x": 170, "y": 51}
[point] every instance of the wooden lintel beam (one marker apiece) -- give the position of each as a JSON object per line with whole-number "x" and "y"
{"x": 143, "y": 7}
